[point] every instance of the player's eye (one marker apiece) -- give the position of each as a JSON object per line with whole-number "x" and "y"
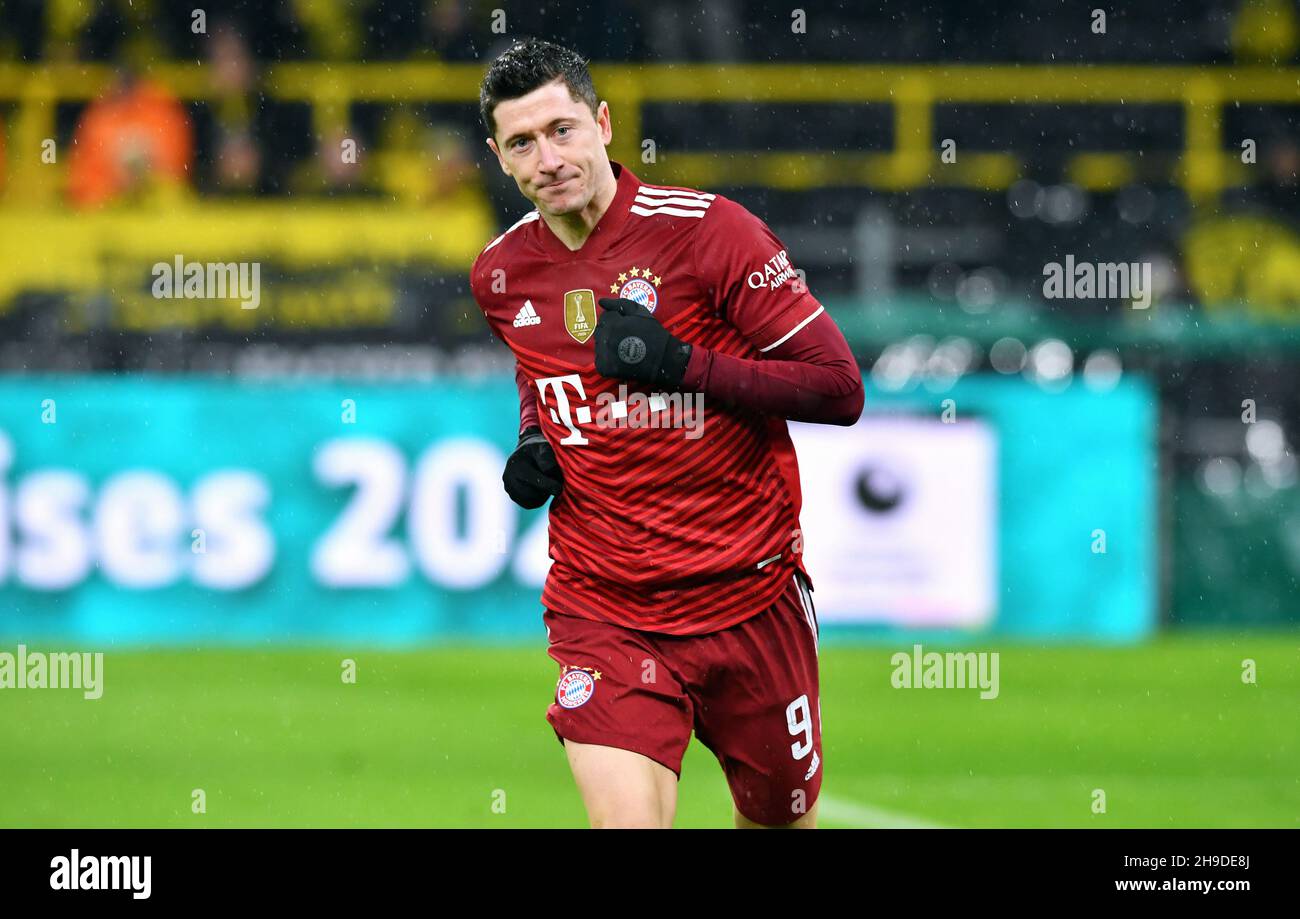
{"x": 564, "y": 130}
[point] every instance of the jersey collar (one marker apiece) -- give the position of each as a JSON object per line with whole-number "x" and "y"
{"x": 606, "y": 229}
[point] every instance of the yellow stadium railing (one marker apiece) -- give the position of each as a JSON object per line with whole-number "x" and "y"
{"x": 1204, "y": 167}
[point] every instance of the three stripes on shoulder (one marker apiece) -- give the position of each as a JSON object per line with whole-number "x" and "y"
{"x": 673, "y": 201}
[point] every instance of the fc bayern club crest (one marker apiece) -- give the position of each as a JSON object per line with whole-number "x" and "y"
{"x": 642, "y": 292}
{"x": 640, "y": 285}
{"x": 576, "y": 687}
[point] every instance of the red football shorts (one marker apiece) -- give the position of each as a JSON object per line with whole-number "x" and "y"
{"x": 749, "y": 692}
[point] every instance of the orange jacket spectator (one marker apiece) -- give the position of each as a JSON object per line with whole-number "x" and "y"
{"x": 136, "y": 135}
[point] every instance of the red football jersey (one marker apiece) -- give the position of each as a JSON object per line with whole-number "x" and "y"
{"x": 655, "y": 530}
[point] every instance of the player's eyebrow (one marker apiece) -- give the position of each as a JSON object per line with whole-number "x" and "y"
{"x": 514, "y": 137}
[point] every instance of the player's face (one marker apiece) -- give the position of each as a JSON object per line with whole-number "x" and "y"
{"x": 553, "y": 147}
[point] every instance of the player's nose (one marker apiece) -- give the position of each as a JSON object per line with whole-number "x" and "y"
{"x": 550, "y": 161}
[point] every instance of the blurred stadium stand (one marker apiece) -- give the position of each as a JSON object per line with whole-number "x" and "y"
{"x": 1126, "y": 146}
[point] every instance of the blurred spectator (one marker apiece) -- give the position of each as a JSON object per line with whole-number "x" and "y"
{"x": 1265, "y": 30}
{"x": 332, "y": 27}
{"x": 420, "y": 164}
{"x": 238, "y": 158}
{"x": 451, "y": 167}
{"x": 1281, "y": 188}
{"x": 131, "y": 143}
{"x": 238, "y": 162}
{"x": 1277, "y": 193}
{"x": 120, "y": 30}
{"x": 335, "y": 169}
{"x": 446, "y": 30}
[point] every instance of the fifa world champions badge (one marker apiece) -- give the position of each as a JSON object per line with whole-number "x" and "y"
{"x": 580, "y": 314}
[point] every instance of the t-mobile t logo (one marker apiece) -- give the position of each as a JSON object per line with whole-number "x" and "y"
{"x": 619, "y": 409}
{"x": 560, "y": 413}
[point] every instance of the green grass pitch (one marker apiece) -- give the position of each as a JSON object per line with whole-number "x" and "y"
{"x": 431, "y": 738}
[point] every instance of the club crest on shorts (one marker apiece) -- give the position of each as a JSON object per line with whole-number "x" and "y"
{"x": 575, "y": 688}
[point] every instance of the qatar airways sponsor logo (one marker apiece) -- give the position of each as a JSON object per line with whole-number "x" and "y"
{"x": 565, "y": 398}
{"x": 775, "y": 272}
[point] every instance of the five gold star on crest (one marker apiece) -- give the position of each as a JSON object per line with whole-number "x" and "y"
{"x": 595, "y": 674}
{"x": 636, "y": 272}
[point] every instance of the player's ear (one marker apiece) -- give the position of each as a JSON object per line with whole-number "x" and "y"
{"x": 492, "y": 145}
{"x": 604, "y": 124}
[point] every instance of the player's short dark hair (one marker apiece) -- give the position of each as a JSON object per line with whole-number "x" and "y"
{"x": 527, "y": 65}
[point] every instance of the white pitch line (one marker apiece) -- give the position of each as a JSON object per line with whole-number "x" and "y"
{"x": 837, "y": 810}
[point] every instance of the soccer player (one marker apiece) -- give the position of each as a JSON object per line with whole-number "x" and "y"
{"x": 677, "y": 597}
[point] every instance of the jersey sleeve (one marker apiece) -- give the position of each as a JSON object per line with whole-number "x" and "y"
{"x": 480, "y": 290}
{"x": 528, "y": 410}
{"x": 749, "y": 276}
{"x": 529, "y": 416}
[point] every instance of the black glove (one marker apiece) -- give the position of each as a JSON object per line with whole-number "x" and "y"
{"x": 632, "y": 345}
{"x": 532, "y": 473}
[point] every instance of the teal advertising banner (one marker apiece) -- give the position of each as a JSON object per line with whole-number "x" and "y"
{"x": 191, "y": 511}
{"x": 1040, "y": 523}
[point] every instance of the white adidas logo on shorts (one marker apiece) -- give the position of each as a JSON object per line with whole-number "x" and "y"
{"x": 526, "y": 315}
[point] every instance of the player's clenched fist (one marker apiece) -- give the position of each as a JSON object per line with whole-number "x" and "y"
{"x": 532, "y": 474}
{"x": 632, "y": 345}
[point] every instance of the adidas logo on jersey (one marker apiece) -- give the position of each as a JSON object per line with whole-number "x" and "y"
{"x": 526, "y": 315}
